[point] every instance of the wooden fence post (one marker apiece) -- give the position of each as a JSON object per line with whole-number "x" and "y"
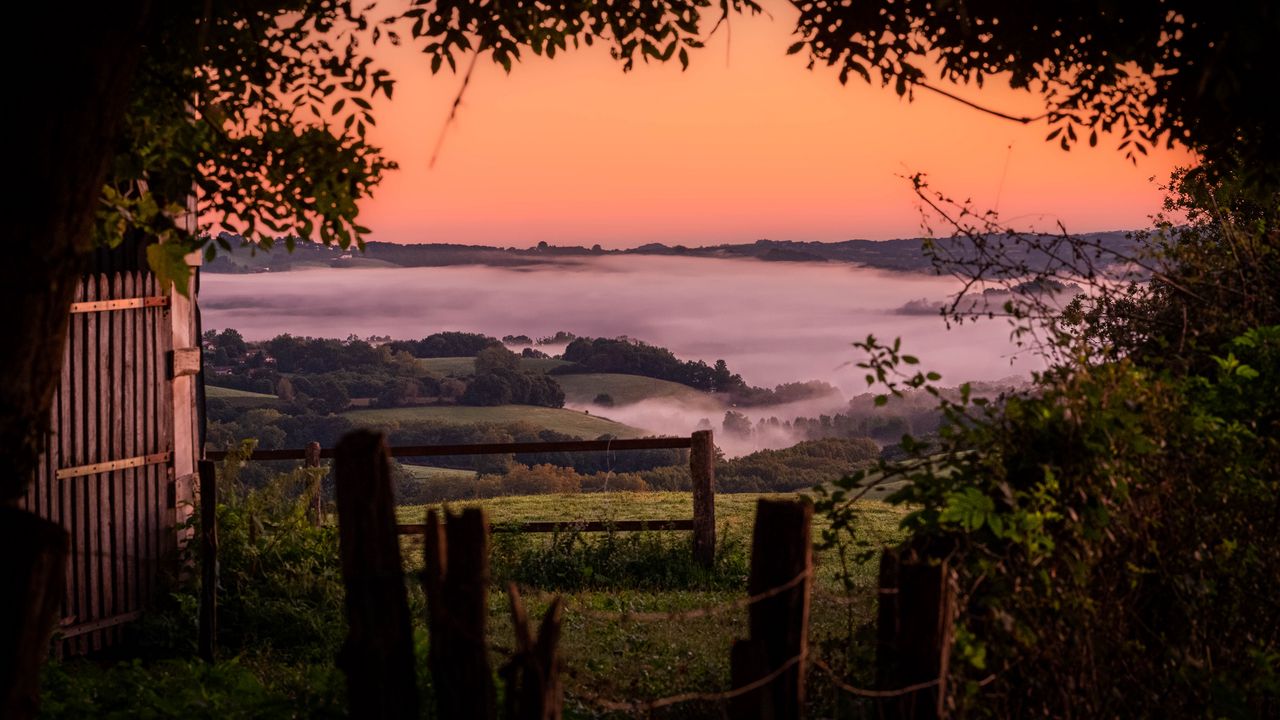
{"x": 914, "y": 633}
{"x": 781, "y": 552}
{"x": 455, "y": 578}
{"x": 208, "y": 631}
{"x": 534, "y": 690}
{"x": 702, "y": 468}
{"x": 312, "y": 460}
{"x": 377, "y": 656}
{"x": 33, "y": 574}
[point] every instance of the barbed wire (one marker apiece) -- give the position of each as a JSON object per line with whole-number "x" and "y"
{"x": 648, "y": 706}
{"x": 705, "y": 611}
{"x": 864, "y": 692}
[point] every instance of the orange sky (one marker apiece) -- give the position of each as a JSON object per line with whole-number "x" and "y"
{"x": 574, "y": 151}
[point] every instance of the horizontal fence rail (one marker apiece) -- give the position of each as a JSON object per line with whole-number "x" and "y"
{"x": 545, "y": 526}
{"x": 522, "y": 448}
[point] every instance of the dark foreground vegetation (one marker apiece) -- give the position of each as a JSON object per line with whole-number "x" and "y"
{"x": 282, "y": 624}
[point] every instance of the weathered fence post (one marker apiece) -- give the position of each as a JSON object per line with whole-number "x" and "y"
{"x": 702, "y": 468}
{"x": 782, "y": 569}
{"x": 377, "y": 656}
{"x": 914, "y": 633}
{"x": 455, "y": 578}
{"x": 534, "y": 690}
{"x": 33, "y": 574}
{"x": 208, "y": 631}
{"x": 312, "y": 460}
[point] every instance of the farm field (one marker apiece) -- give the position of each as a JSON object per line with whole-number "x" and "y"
{"x": 609, "y": 656}
{"x": 240, "y": 398}
{"x": 570, "y": 422}
{"x": 628, "y": 389}
{"x": 463, "y": 366}
{"x": 428, "y": 472}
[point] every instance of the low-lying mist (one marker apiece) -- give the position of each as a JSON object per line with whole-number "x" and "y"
{"x": 772, "y": 322}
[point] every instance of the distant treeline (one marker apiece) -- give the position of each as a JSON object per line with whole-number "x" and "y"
{"x": 906, "y": 254}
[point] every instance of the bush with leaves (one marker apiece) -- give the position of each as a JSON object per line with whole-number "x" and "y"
{"x": 1111, "y": 531}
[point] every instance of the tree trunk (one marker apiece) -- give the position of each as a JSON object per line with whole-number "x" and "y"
{"x": 73, "y": 86}
{"x": 74, "y": 66}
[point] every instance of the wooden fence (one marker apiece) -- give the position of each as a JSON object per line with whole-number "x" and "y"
{"x": 701, "y": 446}
{"x": 769, "y": 668}
{"x": 106, "y": 473}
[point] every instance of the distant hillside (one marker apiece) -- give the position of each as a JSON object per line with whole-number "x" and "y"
{"x": 904, "y": 255}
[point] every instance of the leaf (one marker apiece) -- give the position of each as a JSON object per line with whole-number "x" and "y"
{"x": 169, "y": 263}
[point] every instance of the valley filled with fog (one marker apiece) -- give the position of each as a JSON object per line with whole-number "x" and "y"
{"x": 772, "y": 322}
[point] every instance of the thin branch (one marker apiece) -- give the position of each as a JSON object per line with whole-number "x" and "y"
{"x": 1016, "y": 118}
{"x": 453, "y": 110}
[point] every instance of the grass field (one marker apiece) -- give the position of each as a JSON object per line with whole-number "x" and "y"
{"x": 427, "y": 472}
{"x": 611, "y": 657}
{"x": 463, "y": 366}
{"x": 628, "y": 389}
{"x": 570, "y": 422}
{"x": 240, "y": 398}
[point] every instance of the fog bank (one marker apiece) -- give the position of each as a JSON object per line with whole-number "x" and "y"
{"x": 772, "y": 322}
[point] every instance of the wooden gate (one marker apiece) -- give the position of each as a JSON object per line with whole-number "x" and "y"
{"x": 109, "y": 473}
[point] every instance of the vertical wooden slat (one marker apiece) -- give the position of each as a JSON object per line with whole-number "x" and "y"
{"x": 66, "y": 435}
{"x": 167, "y": 537}
{"x": 140, "y": 440}
{"x": 88, "y": 502}
{"x": 117, "y": 576}
{"x": 102, "y": 481}
{"x": 127, "y": 585}
{"x": 150, "y": 423}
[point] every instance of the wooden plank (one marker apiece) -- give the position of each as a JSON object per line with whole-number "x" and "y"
{"x": 89, "y": 505}
{"x": 583, "y": 526}
{"x": 147, "y": 414}
{"x": 115, "y": 479}
{"x": 377, "y": 656}
{"x": 184, "y": 362}
{"x": 167, "y": 541}
{"x": 702, "y": 469}
{"x": 668, "y": 443}
{"x": 66, "y": 444}
{"x": 129, "y": 448}
{"x": 110, "y": 466}
{"x": 101, "y": 517}
{"x": 131, "y": 303}
{"x": 76, "y": 630}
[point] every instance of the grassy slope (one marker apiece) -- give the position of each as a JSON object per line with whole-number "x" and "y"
{"x": 627, "y": 389}
{"x": 240, "y": 398}
{"x": 566, "y": 421}
{"x": 427, "y": 472}
{"x": 613, "y": 658}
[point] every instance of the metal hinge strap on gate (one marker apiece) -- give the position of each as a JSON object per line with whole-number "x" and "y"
{"x": 70, "y": 630}
{"x": 110, "y": 465}
{"x": 120, "y": 304}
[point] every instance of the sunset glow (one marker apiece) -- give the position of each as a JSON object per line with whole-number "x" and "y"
{"x": 574, "y": 151}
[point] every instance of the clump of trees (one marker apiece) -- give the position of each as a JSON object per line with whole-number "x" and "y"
{"x": 633, "y": 357}
{"x": 446, "y": 344}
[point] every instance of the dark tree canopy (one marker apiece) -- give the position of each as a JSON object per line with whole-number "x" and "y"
{"x": 1157, "y": 72}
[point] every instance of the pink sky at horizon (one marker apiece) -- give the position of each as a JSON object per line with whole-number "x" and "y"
{"x": 573, "y": 151}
